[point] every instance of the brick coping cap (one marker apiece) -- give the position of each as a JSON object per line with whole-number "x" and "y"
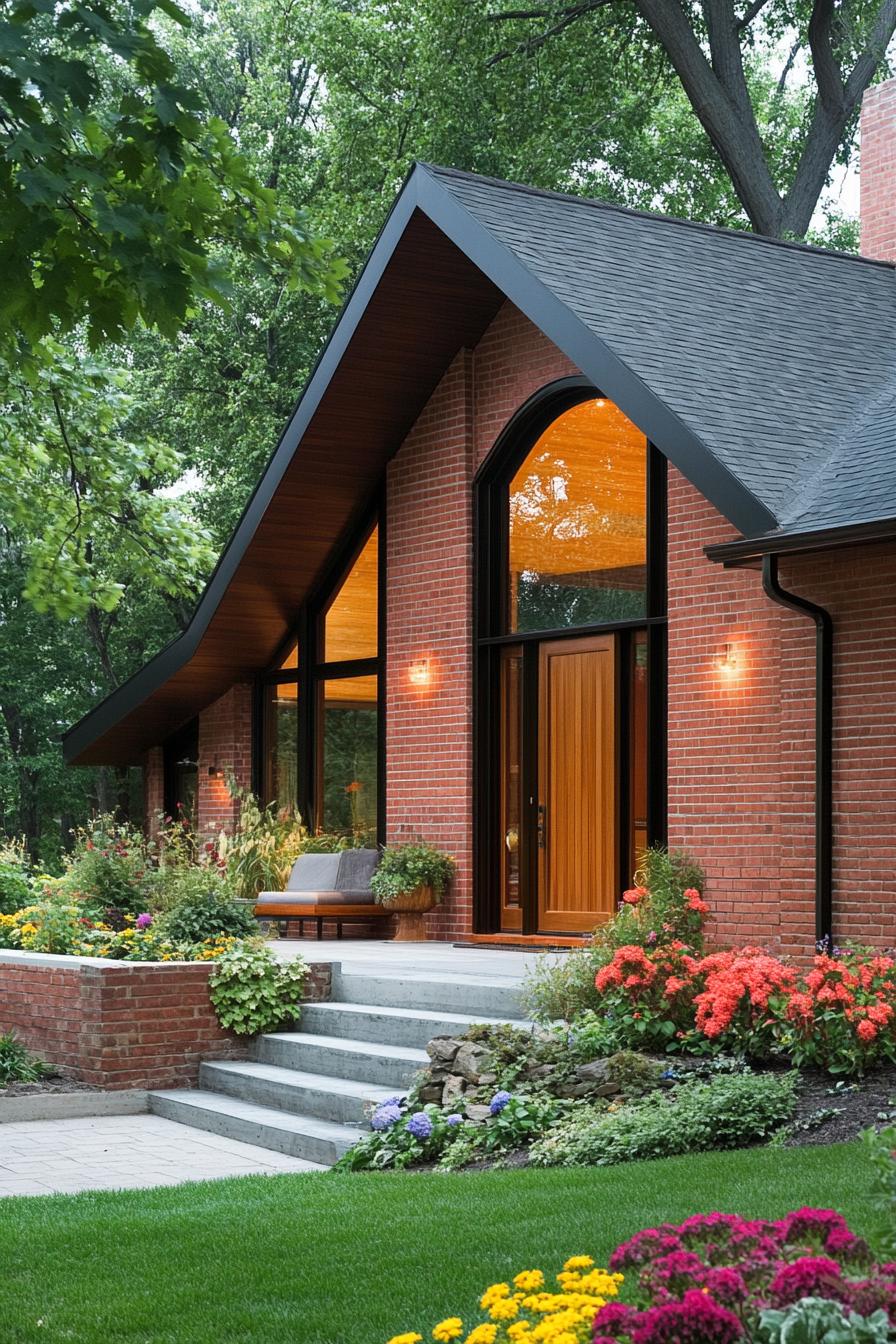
{"x": 15, "y": 956}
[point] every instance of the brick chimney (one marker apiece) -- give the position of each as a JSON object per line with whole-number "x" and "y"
{"x": 877, "y": 173}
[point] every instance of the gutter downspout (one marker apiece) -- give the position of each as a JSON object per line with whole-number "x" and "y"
{"x": 824, "y": 755}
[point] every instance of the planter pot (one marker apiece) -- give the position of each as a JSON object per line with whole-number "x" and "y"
{"x": 410, "y": 910}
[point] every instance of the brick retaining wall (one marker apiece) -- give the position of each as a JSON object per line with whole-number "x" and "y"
{"x": 121, "y": 1024}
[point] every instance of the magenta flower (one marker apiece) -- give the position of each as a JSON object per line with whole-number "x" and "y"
{"x": 696, "y": 1319}
{"x": 144, "y": 921}
{"x": 811, "y": 1276}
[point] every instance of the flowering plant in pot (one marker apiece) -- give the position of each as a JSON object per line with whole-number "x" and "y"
{"x": 410, "y": 880}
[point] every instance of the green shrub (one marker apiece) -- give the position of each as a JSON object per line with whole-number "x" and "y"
{"x": 404, "y": 868}
{"x": 111, "y": 868}
{"x": 663, "y": 906}
{"x": 16, "y": 881}
{"x": 18, "y": 1065}
{"x": 820, "y": 1320}
{"x": 252, "y": 992}
{"x": 730, "y": 1112}
{"x": 201, "y": 908}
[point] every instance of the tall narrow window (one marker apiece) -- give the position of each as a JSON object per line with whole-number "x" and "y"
{"x": 350, "y": 623}
{"x": 347, "y": 708}
{"x": 570, "y": 610}
{"x": 280, "y": 731}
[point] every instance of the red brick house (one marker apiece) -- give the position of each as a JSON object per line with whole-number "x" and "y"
{"x": 582, "y": 535}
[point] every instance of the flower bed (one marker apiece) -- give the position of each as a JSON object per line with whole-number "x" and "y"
{"x": 714, "y": 1279}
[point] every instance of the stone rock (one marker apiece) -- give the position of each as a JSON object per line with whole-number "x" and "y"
{"x": 478, "y": 1114}
{"x": 454, "y": 1089}
{"x": 470, "y": 1061}
{"x": 597, "y": 1071}
{"x": 431, "y": 1092}
{"x": 540, "y": 1070}
{"x": 487, "y": 1079}
{"x": 442, "y": 1049}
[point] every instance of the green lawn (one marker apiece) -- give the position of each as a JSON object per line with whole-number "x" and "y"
{"x": 354, "y": 1259}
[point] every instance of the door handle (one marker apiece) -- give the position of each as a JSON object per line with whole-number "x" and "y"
{"x": 542, "y": 826}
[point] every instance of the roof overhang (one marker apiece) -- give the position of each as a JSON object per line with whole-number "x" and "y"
{"x": 432, "y": 284}
{"x": 750, "y": 550}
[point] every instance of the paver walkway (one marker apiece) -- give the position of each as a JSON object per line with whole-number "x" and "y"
{"x": 116, "y": 1152}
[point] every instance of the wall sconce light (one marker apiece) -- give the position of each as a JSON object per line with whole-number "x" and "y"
{"x": 419, "y": 673}
{"x": 726, "y": 660}
{"x": 215, "y": 772}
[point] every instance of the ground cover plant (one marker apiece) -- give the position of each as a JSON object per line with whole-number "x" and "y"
{"x": 204, "y": 1263}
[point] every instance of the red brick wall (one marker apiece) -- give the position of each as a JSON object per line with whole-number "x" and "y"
{"x": 877, "y": 179}
{"x": 742, "y": 747}
{"x": 225, "y": 742}
{"x": 121, "y": 1024}
{"x": 429, "y": 758}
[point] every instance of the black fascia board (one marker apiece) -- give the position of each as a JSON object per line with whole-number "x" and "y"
{"x": 422, "y": 190}
{"x": 803, "y": 542}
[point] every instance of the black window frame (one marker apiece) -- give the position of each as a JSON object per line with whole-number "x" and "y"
{"x": 312, "y": 671}
{"x": 490, "y": 559}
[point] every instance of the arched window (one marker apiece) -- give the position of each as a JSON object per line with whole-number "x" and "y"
{"x": 571, "y": 616}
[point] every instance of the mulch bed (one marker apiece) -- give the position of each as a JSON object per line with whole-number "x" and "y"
{"x": 828, "y": 1112}
{"x": 53, "y": 1084}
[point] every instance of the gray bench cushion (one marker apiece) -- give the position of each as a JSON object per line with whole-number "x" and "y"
{"x": 313, "y": 898}
{"x": 356, "y": 867}
{"x": 314, "y": 872}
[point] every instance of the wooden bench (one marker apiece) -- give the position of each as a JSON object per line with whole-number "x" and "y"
{"x": 326, "y": 886}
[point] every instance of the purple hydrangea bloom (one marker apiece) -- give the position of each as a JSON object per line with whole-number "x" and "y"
{"x": 454, "y": 1119}
{"x": 419, "y": 1125}
{"x": 384, "y": 1116}
{"x": 144, "y": 921}
{"x": 498, "y": 1102}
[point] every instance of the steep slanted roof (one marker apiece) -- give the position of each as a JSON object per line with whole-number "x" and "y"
{"x": 765, "y": 371}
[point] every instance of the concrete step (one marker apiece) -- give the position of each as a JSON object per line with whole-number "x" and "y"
{"x": 319, "y": 1142}
{"x": 471, "y": 996}
{"x": 388, "y": 1066}
{"x": 388, "y": 1026}
{"x": 344, "y": 1100}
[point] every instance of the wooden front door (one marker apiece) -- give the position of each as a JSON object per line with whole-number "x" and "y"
{"x": 576, "y": 837}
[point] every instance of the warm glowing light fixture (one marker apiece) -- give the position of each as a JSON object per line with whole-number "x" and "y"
{"x": 215, "y": 772}
{"x": 726, "y": 660}
{"x": 418, "y": 672}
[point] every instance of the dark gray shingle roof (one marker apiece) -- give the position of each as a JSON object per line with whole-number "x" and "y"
{"x": 778, "y": 358}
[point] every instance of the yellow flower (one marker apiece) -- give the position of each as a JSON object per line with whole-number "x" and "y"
{"x": 530, "y": 1280}
{"x": 494, "y": 1294}
{"x": 579, "y": 1262}
{"x": 483, "y": 1334}
{"x": 409, "y": 1338}
{"x": 451, "y": 1328}
{"x": 519, "y": 1330}
{"x": 505, "y": 1309}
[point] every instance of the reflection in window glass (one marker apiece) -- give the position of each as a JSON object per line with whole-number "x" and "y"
{"x": 578, "y": 525}
{"x": 350, "y": 625}
{"x": 281, "y": 727}
{"x": 290, "y": 661}
{"x": 348, "y": 739}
